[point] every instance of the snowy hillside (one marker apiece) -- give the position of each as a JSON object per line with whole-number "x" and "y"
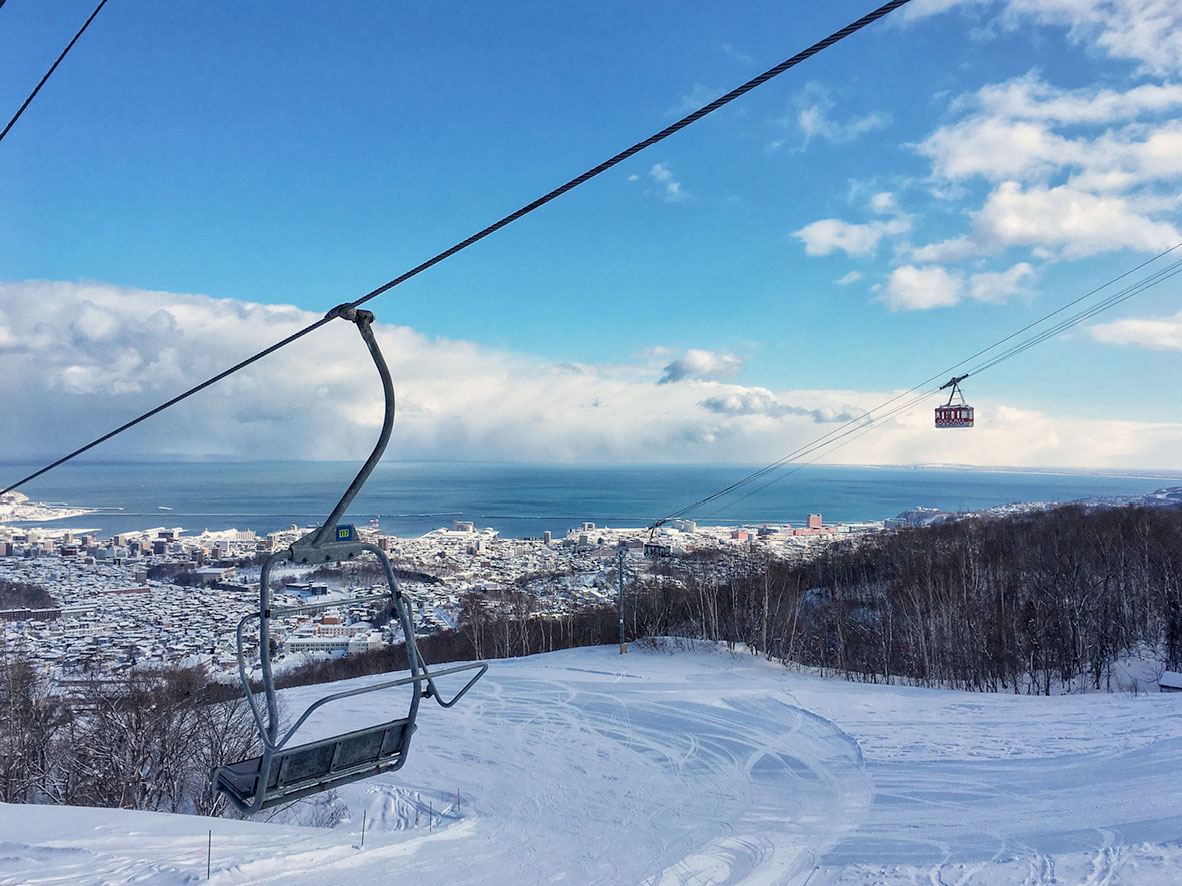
{"x": 696, "y": 767}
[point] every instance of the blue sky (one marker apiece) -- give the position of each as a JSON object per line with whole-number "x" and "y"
{"x": 921, "y": 189}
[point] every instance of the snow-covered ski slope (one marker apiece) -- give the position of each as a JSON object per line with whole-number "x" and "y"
{"x": 702, "y": 767}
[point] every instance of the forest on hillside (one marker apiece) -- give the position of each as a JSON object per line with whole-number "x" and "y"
{"x": 1025, "y": 603}
{"x": 146, "y": 739}
{"x": 1019, "y": 603}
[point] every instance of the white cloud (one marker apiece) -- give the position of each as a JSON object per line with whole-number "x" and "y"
{"x": 1148, "y": 32}
{"x": 1075, "y": 223}
{"x": 884, "y": 203}
{"x": 832, "y": 234}
{"x": 1059, "y": 173}
{"x": 671, "y": 187}
{"x": 1156, "y": 333}
{"x": 997, "y": 287}
{"x": 848, "y": 278}
{"x": 951, "y": 250}
{"x": 66, "y": 383}
{"x": 814, "y": 105}
{"x": 996, "y": 148}
{"x": 1005, "y": 435}
{"x": 702, "y": 365}
{"x": 999, "y": 149}
{"x": 911, "y": 288}
{"x": 923, "y": 8}
{"x": 738, "y": 401}
{"x": 1071, "y": 173}
{"x": 1145, "y": 31}
{"x": 1031, "y": 98}
{"x": 814, "y": 122}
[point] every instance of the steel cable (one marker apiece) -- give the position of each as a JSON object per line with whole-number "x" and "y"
{"x": 52, "y": 68}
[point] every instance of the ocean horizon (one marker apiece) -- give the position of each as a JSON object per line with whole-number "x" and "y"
{"x": 524, "y": 500}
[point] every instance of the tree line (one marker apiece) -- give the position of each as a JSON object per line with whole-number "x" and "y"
{"x": 22, "y": 595}
{"x": 1022, "y": 603}
{"x": 145, "y": 740}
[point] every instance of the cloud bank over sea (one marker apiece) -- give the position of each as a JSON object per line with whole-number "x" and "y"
{"x": 79, "y": 359}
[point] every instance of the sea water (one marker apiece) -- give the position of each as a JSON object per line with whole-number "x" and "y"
{"x": 518, "y": 500}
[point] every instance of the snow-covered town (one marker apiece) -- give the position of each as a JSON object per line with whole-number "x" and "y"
{"x": 162, "y": 597}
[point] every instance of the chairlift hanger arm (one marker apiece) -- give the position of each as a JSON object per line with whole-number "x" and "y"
{"x": 364, "y": 320}
{"x": 320, "y": 545}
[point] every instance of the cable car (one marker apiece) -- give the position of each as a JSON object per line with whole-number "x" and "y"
{"x": 954, "y": 415}
{"x": 656, "y": 550}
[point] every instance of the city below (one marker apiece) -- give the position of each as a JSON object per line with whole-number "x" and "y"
{"x": 160, "y": 597}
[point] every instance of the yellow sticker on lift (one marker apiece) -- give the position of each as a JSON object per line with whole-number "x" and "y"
{"x": 346, "y": 533}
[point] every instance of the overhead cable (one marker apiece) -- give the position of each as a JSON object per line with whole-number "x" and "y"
{"x": 52, "y": 68}
{"x": 685, "y": 121}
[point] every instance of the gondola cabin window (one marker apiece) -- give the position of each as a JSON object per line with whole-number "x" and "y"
{"x": 959, "y": 416}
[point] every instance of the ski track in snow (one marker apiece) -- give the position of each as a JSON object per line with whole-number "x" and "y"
{"x": 696, "y": 768}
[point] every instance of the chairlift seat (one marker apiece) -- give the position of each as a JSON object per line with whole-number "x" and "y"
{"x": 317, "y": 766}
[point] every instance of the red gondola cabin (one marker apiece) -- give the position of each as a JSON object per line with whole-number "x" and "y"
{"x": 959, "y": 416}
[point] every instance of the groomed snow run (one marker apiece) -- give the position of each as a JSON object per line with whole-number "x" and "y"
{"x": 690, "y": 767}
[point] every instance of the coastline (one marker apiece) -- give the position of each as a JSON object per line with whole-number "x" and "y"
{"x": 15, "y": 507}
{"x": 523, "y": 501}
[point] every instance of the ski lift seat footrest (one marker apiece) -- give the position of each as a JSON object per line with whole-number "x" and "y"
{"x": 306, "y": 769}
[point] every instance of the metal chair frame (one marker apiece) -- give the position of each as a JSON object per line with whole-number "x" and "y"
{"x": 275, "y": 776}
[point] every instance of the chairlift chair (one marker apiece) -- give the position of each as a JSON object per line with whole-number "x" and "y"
{"x": 958, "y": 415}
{"x": 282, "y": 773}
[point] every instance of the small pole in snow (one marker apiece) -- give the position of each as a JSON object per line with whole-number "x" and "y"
{"x": 430, "y": 817}
{"x": 623, "y": 645}
{"x": 209, "y": 856}
{"x": 362, "y": 828}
